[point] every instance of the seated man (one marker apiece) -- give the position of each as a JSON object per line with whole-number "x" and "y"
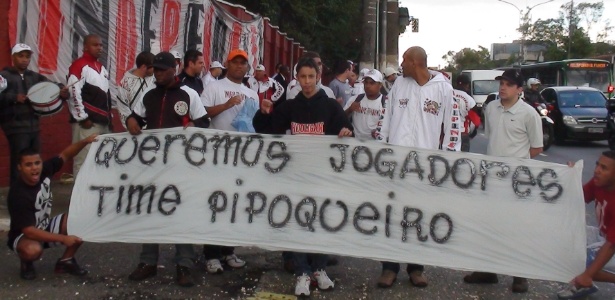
{"x": 601, "y": 240}
{"x": 29, "y": 203}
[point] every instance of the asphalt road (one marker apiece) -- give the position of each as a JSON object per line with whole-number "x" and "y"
{"x": 110, "y": 264}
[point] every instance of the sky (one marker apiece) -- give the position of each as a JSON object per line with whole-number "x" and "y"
{"x": 446, "y": 25}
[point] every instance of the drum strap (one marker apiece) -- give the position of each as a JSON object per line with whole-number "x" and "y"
{"x": 136, "y": 94}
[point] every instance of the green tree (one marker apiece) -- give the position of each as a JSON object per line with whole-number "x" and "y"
{"x": 331, "y": 27}
{"x": 468, "y": 59}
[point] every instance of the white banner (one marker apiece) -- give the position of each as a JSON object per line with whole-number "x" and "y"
{"x": 329, "y": 195}
{"x": 55, "y": 30}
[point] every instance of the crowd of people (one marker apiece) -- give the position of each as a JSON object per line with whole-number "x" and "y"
{"x": 416, "y": 107}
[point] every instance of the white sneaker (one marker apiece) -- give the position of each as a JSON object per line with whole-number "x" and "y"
{"x": 324, "y": 283}
{"x": 302, "y": 288}
{"x": 214, "y": 266}
{"x": 233, "y": 261}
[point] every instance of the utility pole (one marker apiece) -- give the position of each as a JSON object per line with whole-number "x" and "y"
{"x": 570, "y": 28}
{"x": 370, "y": 34}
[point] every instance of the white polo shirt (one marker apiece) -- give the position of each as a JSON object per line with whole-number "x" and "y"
{"x": 512, "y": 132}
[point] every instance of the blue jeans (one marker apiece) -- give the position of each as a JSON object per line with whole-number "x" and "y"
{"x": 184, "y": 254}
{"x": 391, "y": 266}
{"x": 319, "y": 262}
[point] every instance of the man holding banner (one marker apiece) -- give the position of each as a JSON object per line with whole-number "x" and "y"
{"x": 419, "y": 113}
{"x": 29, "y": 203}
{"x": 600, "y": 240}
{"x": 169, "y": 105}
{"x": 513, "y": 130}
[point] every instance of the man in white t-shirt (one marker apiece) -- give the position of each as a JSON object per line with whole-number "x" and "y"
{"x": 365, "y": 109}
{"x": 293, "y": 90}
{"x": 215, "y": 70}
{"x": 265, "y": 86}
{"x": 223, "y": 99}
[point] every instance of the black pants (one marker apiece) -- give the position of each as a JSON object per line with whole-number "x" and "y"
{"x": 216, "y": 252}
{"x": 395, "y": 267}
{"x": 19, "y": 142}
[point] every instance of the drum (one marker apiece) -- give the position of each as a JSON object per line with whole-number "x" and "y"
{"x": 45, "y": 98}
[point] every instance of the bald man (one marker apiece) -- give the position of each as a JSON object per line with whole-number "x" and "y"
{"x": 90, "y": 100}
{"x": 420, "y": 110}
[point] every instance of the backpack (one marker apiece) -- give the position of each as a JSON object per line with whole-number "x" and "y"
{"x": 361, "y": 96}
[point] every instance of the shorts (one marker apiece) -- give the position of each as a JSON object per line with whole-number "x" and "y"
{"x": 54, "y": 227}
{"x": 594, "y": 242}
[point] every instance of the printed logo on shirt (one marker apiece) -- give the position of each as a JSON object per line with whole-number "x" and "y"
{"x": 310, "y": 128}
{"x": 231, "y": 94}
{"x": 181, "y": 108}
{"x": 432, "y": 107}
{"x": 43, "y": 204}
{"x": 403, "y": 103}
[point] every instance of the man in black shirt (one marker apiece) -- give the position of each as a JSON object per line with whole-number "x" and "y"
{"x": 193, "y": 66}
{"x": 29, "y": 203}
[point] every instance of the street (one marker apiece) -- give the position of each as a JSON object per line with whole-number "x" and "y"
{"x": 110, "y": 264}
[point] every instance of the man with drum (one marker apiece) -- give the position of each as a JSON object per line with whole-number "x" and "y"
{"x": 90, "y": 101}
{"x": 18, "y": 118}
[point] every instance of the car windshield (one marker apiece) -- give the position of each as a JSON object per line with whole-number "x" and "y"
{"x": 579, "y": 98}
{"x": 485, "y": 87}
{"x": 598, "y": 79}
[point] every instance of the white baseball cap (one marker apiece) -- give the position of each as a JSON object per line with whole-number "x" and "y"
{"x": 389, "y": 71}
{"x": 260, "y": 68}
{"x": 216, "y": 64}
{"x": 375, "y": 75}
{"x": 532, "y": 81}
{"x": 176, "y": 54}
{"x": 20, "y": 47}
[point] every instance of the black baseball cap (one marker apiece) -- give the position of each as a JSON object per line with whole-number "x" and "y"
{"x": 513, "y": 76}
{"x": 164, "y": 61}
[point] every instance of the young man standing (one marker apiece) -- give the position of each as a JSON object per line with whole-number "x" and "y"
{"x": 312, "y": 112}
{"x": 29, "y": 203}
{"x": 18, "y": 120}
{"x": 215, "y": 70}
{"x": 169, "y": 105}
{"x": 294, "y": 89}
{"x": 339, "y": 85}
{"x": 264, "y": 86}
{"x": 135, "y": 84}
{"x": 191, "y": 75}
{"x": 223, "y": 100}
{"x": 390, "y": 75}
{"x": 366, "y": 109}
{"x": 600, "y": 240}
{"x": 513, "y": 129}
{"x": 419, "y": 113}
{"x": 90, "y": 102}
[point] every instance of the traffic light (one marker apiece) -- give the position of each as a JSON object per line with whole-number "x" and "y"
{"x": 415, "y": 25}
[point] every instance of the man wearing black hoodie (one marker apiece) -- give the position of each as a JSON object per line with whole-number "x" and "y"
{"x": 310, "y": 112}
{"x": 169, "y": 105}
{"x": 193, "y": 66}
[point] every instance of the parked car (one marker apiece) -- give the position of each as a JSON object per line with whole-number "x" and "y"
{"x": 579, "y": 113}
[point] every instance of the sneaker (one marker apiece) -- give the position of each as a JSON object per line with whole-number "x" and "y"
{"x": 142, "y": 272}
{"x": 233, "y": 261}
{"x": 184, "y": 278}
{"x": 302, "y": 288}
{"x": 573, "y": 292}
{"x": 520, "y": 285}
{"x": 324, "y": 283}
{"x": 214, "y": 266}
{"x": 27, "y": 270}
{"x": 387, "y": 279}
{"x": 69, "y": 266}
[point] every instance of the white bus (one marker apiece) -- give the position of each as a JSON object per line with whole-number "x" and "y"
{"x": 482, "y": 83}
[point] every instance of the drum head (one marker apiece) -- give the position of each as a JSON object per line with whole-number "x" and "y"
{"x": 44, "y": 92}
